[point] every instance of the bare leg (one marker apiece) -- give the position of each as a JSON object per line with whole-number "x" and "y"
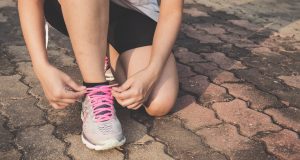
{"x": 87, "y": 24}
{"x": 164, "y": 94}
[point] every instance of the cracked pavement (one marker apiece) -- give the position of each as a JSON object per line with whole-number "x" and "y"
{"x": 239, "y": 70}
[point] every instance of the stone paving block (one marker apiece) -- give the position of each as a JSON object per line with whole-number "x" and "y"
{"x": 80, "y": 152}
{"x": 187, "y": 146}
{"x": 245, "y": 24}
{"x": 223, "y": 61}
{"x": 293, "y": 81}
{"x": 145, "y": 151}
{"x": 210, "y": 28}
{"x": 6, "y": 68}
{"x": 18, "y": 53}
{"x": 39, "y": 143}
{"x": 22, "y": 113}
{"x": 258, "y": 99}
{"x": 67, "y": 120}
{"x": 202, "y": 36}
{"x": 250, "y": 122}
{"x": 222, "y": 76}
{"x": 226, "y": 139}
{"x": 3, "y": 18}
{"x": 288, "y": 117}
{"x": 7, "y": 3}
{"x": 9, "y": 85}
{"x": 237, "y": 41}
{"x": 10, "y": 155}
{"x": 133, "y": 130}
{"x": 25, "y": 68}
{"x": 207, "y": 92}
{"x": 184, "y": 71}
{"x": 194, "y": 115}
{"x": 60, "y": 58}
{"x": 6, "y": 138}
{"x": 205, "y": 68}
{"x": 185, "y": 56}
{"x": 284, "y": 144}
{"x": 194, "y": 12}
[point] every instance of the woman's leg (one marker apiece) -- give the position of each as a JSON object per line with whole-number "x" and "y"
{"x": 87, "y": 24}
{"x": 164, "y": 94}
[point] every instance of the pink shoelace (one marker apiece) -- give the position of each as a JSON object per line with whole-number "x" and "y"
{"x": 102, "y": 102}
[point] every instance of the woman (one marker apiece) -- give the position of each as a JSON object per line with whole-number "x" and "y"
{"x": 136, "y": 35}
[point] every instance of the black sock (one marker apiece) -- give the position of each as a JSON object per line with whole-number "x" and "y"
{"x": 88, "y": 85}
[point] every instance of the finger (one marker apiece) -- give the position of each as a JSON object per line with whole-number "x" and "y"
{"x": 56, "y": 106}
{"x": 73, "y": 84}
{"x": 135, "y": 106}
{"x": 68, "y": 101}
{"x": 122, "y": 95}
{"x": 72, "y": 94}
{"x": 128, "y": 102}
{"x": 126, "y": 85}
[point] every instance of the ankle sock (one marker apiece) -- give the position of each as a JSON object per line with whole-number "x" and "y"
{"x": 88, "y": 85}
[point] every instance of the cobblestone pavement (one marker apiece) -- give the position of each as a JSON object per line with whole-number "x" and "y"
{"x": 239, "y": 68}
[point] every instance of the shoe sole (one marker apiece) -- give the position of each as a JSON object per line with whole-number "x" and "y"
{"x": 109, "y": 144}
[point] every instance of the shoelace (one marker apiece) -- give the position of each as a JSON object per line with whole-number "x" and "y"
{"x": 102, "y": 102}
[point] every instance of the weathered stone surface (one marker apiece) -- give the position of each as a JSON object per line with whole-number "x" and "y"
{"x": 39, "y": 143}
{"x": 18, "y": 53}
{"x": 207, "y": 92}
{"x": 194, "y": 12}
{"x": 133, "y": 130}
{"x": 25, "y": 68}
{"x": 185, "y": 56}
{"x": 249, "y": 121}
{"x": 6, "y": 138}
{"x": 145, "y": 151}
{"x": 67, "y": 121}
{"x": 79, "y": 151}
{"x": 10, "y": 155}
{"x": 9, "y": 85}
{"x": 221, "y": 76}
{"x": 226, "y": 139}
{"x": 284, "y": 144}
{"x": 259, "y": 100}
{"x": 223, "y": 61}
{"x": 184, "y": 71}
{"x": 245, "y": 24}
{"x": 202, "y": 36}
{"x": 60, "y": 58}
{"x": 3, "y": 18}
{"x": 7, "y": 3}
{"x": 194, "y": 115}
{"x": 6, "y": 68}
{"x": 293, "y": 81}
{"x": 288, "y": 117}
{"x": 22, "y": 113}
{"x": 187, "y": 146}
{"x": 210, "y": 28}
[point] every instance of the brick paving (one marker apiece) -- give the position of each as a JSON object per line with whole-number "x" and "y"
{"x": 239, "y": 70}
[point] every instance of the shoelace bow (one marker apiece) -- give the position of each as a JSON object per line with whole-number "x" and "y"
{"x": 102, "y": 102}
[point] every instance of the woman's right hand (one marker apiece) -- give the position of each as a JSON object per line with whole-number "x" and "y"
{"x": 60, "y": 90}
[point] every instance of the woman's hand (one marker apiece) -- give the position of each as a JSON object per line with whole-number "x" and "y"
{"x": 135, "y": 90}
{"x": 58, "y": 87}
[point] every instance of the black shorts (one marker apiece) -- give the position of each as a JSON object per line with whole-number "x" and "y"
{"x": 128, "y": 29}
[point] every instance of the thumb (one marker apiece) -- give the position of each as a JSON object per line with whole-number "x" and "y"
{"x": 126, "y": 85}
{"x": 69, "y": 81}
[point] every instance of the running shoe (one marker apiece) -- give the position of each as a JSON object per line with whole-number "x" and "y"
{"x": 101, "y": 128}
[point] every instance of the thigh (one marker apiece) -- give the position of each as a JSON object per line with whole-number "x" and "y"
{"x": 163, "y": 96}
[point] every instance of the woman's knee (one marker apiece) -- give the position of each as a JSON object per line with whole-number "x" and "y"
{"x": 160, "y": 107}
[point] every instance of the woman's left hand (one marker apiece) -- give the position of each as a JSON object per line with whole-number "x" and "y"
{"x": 135, "y": 90}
